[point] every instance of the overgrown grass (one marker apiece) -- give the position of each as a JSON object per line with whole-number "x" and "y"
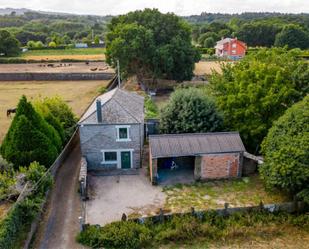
{"x": 190, "y": 230}
{"x": 211, "y": 195}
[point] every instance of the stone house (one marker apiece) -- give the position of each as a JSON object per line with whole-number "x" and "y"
{"x": 198, "y": 156}
{"x": 112, "y": 131}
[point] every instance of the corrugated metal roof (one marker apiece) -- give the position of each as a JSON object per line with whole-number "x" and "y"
{"x": 118, "y": 106}
{"x": 189, "y": 144}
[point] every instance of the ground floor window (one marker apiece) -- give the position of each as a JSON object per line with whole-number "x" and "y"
{"x": 109, "y": 156}
{"x": 122, "y": 158}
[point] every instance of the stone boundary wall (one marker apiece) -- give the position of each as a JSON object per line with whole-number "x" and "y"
{"x": 54, "y": 76}
{"x": 289, "y": 207}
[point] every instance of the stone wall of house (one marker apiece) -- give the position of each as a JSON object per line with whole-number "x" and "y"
{"x": 95, "y": 138}
{"x": 216, "y": 166}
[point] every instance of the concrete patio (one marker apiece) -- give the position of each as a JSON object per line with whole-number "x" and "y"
{"x": 111, "y": 196}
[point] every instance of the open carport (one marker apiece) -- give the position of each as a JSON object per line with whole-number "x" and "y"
{"x": 183, "y": 158}
{"x": 172, "y": 170}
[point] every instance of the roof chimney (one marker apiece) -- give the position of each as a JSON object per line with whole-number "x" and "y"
{"x": 99, "y": 111}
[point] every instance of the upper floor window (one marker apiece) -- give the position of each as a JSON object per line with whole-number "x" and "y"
{"x": 123, "y": 133}
{"x": 234, "y": 45}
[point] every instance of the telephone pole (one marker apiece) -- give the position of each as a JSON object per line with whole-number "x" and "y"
{"x": 118, "y": 72}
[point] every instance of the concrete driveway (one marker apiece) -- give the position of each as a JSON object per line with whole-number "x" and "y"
{"x": 111, "y": 196}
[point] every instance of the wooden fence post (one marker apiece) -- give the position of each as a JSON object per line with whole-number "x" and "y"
{"x": 123, "y": 217}
{"x": 161, "y": 216}
{"x": 192, "y": 211}
{"x": 226, "y": 207}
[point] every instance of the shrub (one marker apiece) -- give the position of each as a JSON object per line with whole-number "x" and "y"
{"x": 19, "y": 218}
{"x": 63, "y": 112}
{"x": 125, "y": 235}
{"x": 190, "y": 110}
{"x": 52, "y": 44}
{"x": 183, "y": 229}
{"x": 286, "y": 150}
{"x": 151, "y": 110}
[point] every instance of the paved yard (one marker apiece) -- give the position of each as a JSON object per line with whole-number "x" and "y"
{"x": 111, "y": 196}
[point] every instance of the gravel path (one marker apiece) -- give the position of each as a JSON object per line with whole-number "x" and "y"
{"x": 60, "y": 225}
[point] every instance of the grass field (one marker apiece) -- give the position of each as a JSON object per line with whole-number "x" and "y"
{"x": 59, "y": 54}
{"x": 248, "y": 191}
{"x": 206, "y": 67}
{"x": 78, "y": 94}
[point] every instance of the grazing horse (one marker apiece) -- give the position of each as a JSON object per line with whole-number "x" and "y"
{"x": 10, "y": 111}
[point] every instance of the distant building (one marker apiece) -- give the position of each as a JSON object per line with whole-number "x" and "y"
{"x": 231, "y": 48}
{"x": 81, "y": 45}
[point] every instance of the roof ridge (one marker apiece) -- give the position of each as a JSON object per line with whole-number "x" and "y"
{"x": 196, "y": 134}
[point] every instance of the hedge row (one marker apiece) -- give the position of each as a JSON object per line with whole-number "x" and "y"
{"x": 17, "y": 221}
{"x": 185, "y": 229}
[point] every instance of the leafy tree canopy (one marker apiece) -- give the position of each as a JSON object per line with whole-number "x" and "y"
{"x": 286, "y": 150}
{"x": 149, "y": 43}
{"x": 189, "y": 110}
{"x": 292, "y": 36}
{"x": 9, "y": 46}
{"x": 255, "y": 92}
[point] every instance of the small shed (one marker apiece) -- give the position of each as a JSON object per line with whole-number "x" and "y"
{"x": 196, "y": 156}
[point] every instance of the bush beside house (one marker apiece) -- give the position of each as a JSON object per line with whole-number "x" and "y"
{"x": 286, "y": 150}
{"x": 190, "y": 111}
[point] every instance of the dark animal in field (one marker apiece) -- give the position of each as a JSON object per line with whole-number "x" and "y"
{"x": 94, "y": 69}
{"x": 10, "y": 111}
{"x": 87, "y": 62}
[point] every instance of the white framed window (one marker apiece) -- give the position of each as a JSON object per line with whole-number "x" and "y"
{"x": 233, "y": 51}
{"x": 123, "y": 133}
{"x": 118, "y": 158}
{"x": 234, "y": 45}
{"x": 110, "y": 156}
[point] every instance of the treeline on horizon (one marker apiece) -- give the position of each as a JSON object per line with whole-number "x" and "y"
{"x": 254, "y": 28}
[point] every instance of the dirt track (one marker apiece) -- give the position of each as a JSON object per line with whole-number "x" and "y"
{"x": 60, "y": 224}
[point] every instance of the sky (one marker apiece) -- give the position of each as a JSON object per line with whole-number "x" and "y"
{"x": 180, "y": 7}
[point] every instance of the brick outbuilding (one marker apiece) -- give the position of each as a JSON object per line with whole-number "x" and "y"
{"x": 198, "y": 156}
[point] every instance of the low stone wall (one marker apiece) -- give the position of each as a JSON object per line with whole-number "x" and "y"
{"x": 289, "y": 207}
{"x": 54, "y": 76}
{"x": 83, "y": 178}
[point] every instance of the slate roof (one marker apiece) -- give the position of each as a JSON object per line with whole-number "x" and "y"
{"x": 190, "y": 144}
{"x": 118, "y": 107}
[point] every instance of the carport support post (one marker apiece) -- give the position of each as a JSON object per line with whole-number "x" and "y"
{"x": 154, "y": 171}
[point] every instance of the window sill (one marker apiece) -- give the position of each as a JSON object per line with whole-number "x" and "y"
{"x": 109, "y": 162}
{"x": 123, "y": 140}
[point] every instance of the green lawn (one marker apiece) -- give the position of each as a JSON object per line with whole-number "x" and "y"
{"x": 248, "y": 191}
{"x": 68, "y": 51}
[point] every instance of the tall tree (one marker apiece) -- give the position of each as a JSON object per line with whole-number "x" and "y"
{"x": 258, "y": 33}
{"x": 9, "y": 46}
{"x": 254, "y": 92}
{"x": 151, "y": 44}
{"x": 190, "y": 110}
{"x": 37, "y": 133}
{"x": 286, "y": 150}
{"x": 292, "y": 36}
